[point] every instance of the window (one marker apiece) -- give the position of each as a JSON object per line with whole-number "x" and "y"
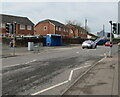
{"x": 59, "y": 29}
{"x": 29, "y": 28}
{"x": 71, "y": 31}
{"x": 2, "y": 25}
{"x": 64, "y": 29}
{"x": 45, "y": 28}
{"x": 56, "y": 28}
{"x": 22, "y": 27}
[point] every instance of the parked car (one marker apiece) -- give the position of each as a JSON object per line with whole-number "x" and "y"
{"x": 89, "y": 44}
{"x": 108, "y": 43}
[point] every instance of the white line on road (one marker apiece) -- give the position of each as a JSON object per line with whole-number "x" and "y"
{"x": 12, "y": 65}
{"x": 71, "y": 73}
{"x": 82, "y": 75}
{"x": 20, "y": 64}
{"x": 50, "y": 88}
{"x": 27, "y": 62}
{"x": 33, "y": 60}
{"x": 69, "y": 79}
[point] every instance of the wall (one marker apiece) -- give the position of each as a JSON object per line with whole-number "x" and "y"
{"x": 39, "y": 29}
{"x": 24, "y": 31}
{"x": 20, "y": 32}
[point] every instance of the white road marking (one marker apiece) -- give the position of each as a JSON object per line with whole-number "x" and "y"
{"x": 77, "y": 52}
{"x": 20, "y": 64}
{"x": 105, "y": 54}
{"x": 71, "y": 73}
{"x": 81, "y": 67}
{"x": 12, "y": 65}
{"x": 50, "y": 88}
{"x": 32, "y": 61}
{"x": 27, "y": 62}
{"x": 69, "y": 79}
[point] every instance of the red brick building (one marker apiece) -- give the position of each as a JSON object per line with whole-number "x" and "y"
{"x": 76, "y": 31}
{"x": 23, "y": 25}
{"x": 51, "y": 27}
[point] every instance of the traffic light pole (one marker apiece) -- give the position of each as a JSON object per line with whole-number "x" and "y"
{"x": 110, "y": 53}
{"x": 110, "y": 49}
{"x": 14, "y": 32}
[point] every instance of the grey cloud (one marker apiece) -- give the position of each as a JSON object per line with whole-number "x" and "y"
{"x": 96, "y": 13}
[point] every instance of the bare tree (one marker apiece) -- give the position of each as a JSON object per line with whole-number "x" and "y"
{"x": 87, "y": 28}
{"x": 73, "y": 22}
{"x": 73, "y": 25}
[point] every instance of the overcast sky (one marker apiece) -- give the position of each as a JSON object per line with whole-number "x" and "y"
{"x": 97, "y": 13}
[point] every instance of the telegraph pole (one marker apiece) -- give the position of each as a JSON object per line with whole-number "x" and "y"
{"x": 85, "y": 24}
{"x": 103, "y": 30}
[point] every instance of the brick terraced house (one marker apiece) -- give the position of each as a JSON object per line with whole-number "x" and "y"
{"x": 51, "y": 27}
{"x": 23, "y": 25}
{"x": 76, "y": 31}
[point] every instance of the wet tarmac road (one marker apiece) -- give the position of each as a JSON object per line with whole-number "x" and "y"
{"x": 25, "y": 78}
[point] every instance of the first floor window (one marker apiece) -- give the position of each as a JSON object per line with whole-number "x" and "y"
{"x": 71, "y": 31}
{"x": 59, "y": 28}
{"x": 22, "y": 27}
{"x": 56, "y": 28}
{"x": 29, "y": 28}
{"x": 2, "y": 25}
{"x": 64, "y": 30}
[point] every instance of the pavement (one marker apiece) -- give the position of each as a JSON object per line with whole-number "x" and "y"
{"x": 100, "y": 80}
{"x": 9, "y": 52}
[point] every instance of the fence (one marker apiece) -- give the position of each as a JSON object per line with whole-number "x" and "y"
{"x": 23, "y": 42}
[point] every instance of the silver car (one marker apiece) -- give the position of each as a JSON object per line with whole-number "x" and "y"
{"x": 89, "y": 44}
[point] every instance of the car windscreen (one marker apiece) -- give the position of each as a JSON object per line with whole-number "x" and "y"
{"x": 88, "y": 42}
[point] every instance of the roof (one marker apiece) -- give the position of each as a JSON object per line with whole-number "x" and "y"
{"x": 78, "y": 27}
{"x": 17, "y": 19}
{"x": 92, "y": 35}
{"x": 56, "y": 23}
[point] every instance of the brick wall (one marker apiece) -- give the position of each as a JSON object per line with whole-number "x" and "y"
{"x": 19, "y": 31}
{"x": 24, "y": 31}
{"x": 51, "y": 29}
{"x": 39, "y": 29}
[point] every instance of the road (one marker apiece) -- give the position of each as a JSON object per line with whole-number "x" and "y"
{"x": 48, "y": 73}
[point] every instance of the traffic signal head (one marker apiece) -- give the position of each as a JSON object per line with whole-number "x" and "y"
{"x": 7, "y": 28}
{"x": 114, "y": 28}
{"x": 118, "y": 29}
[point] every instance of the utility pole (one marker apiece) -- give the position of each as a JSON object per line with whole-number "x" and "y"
{"x": 103, "y": 30}
{"x": 110, "y": 50}
{"x": 85, "y": 24}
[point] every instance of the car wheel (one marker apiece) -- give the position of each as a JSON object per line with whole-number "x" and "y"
{"x": 83, "y": 47}
{"x": 95, "y": 46}
{"x": 91, "y": 47}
